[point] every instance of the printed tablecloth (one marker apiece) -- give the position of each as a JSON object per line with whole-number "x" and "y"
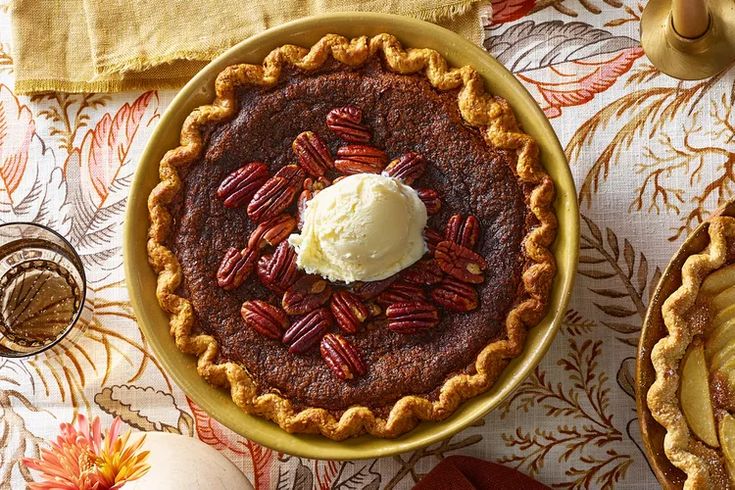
{"x": 651, "y": 156}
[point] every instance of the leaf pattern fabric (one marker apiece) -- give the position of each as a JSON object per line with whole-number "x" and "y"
{"x": 563, "y": 64}
{"x": 651, "y": 157}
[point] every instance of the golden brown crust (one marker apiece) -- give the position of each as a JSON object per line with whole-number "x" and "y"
{"x": 663, "y": 399}
{"x": 499, "y": 127}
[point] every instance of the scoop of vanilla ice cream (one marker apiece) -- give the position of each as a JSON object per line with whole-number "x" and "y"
{"x": 366, "y": 227}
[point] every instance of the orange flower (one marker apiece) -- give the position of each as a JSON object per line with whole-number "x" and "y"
{"x": 117, "y": 462}
{"x": 81, "y": 459}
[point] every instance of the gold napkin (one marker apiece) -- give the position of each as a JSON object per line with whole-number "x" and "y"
{"x": 116, "y": 45}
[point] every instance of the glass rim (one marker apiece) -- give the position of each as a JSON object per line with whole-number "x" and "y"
{"x": 83, "y": 300}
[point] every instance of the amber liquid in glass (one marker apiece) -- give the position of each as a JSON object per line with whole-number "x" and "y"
{"x": 40, "y": 296}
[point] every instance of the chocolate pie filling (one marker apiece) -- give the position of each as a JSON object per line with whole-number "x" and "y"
{"x": 405, "y": 114}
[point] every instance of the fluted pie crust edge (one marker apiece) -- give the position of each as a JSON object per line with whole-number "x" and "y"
{"x": 495, "y": 119}
{"x": 666, "y": 355}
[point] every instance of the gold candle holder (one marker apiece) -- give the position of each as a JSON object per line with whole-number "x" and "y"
{"x": 664, "y": 23}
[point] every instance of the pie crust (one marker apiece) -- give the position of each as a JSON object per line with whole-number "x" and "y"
{"x": 495, "y": 119}
{"x": 667, "y": 354}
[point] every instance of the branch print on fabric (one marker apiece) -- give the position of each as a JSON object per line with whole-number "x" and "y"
{"x": 585, "y": 6}
{"x": 600, "y": 445}
{"x": 563, "y": 64}
{"x": 593, "y": 443}
{"x": 630, "y": 14}
{"x": 684, "y": 138}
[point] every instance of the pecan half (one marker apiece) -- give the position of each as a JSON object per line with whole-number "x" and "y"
{"x": 238, "y": 188}
{"x": 312, "y": 153}
{"x": 235, "y": 267}
{"x": 408, "y": 167}
{"x": 348, "y": 310}
{"x": 305, "y": 295}
{"x": 423, "y": 273}
{"x": 306, "y": 332}
{"x": 278, "y": 272}
{"x": 460, "y": 262}
{"x": 272, "y": 232}
{"x": 465, "y": 231}
{"x": 311, "y": 188}
{"x": 369, "y": 290}
{"x": 341, "y": 357}
{"x": 431, "y": 200}
{"x": 455, "y": 295}
{"x": 277, "y": 194}
{"x": 401, "y": 291}
{"x": 356, "y": 159}
{"x": 264, "y": 318}
{"x": 411, "y": 317}
{"x": 433, "y": 238}
{"x": 293, "y": 174}
{"x": 345, "y": 123}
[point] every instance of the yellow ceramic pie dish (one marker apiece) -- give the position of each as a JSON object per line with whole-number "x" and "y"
{"x": 199, "y": 91}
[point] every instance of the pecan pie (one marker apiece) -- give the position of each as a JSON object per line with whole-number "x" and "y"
{"x": 343, "y": 358}
{"x": 693, "y": 396}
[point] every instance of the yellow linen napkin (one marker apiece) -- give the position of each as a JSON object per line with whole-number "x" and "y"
{"x": 116, "y": 45}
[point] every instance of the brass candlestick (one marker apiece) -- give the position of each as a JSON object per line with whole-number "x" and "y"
{"x": 689, "y": 39}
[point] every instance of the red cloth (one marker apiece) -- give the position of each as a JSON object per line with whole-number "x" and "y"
{"x": 466, "y": 473}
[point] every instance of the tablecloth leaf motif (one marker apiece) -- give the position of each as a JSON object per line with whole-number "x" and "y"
{"x": 41, "y": 196}
{"x": 563, "y": 64}
{"x": 16, "y": 131}
{"x": 574, "y": 324}
{"x": 133, "y": 405}
{"x": 62, "y": 379}
{"x": 326, "y": 472}
{"x": 621, "y": 279}
{"x": 67, "y": 375}
{"x": 303, "y": 478}
{"x": 33, "y": 187}
{"x": 16, "y": 439}
{"x": 357, "y": 475}
{"x": 103, "y": 169}
{"x": 682, "y": 132}
{"x": 510, "y": 10}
